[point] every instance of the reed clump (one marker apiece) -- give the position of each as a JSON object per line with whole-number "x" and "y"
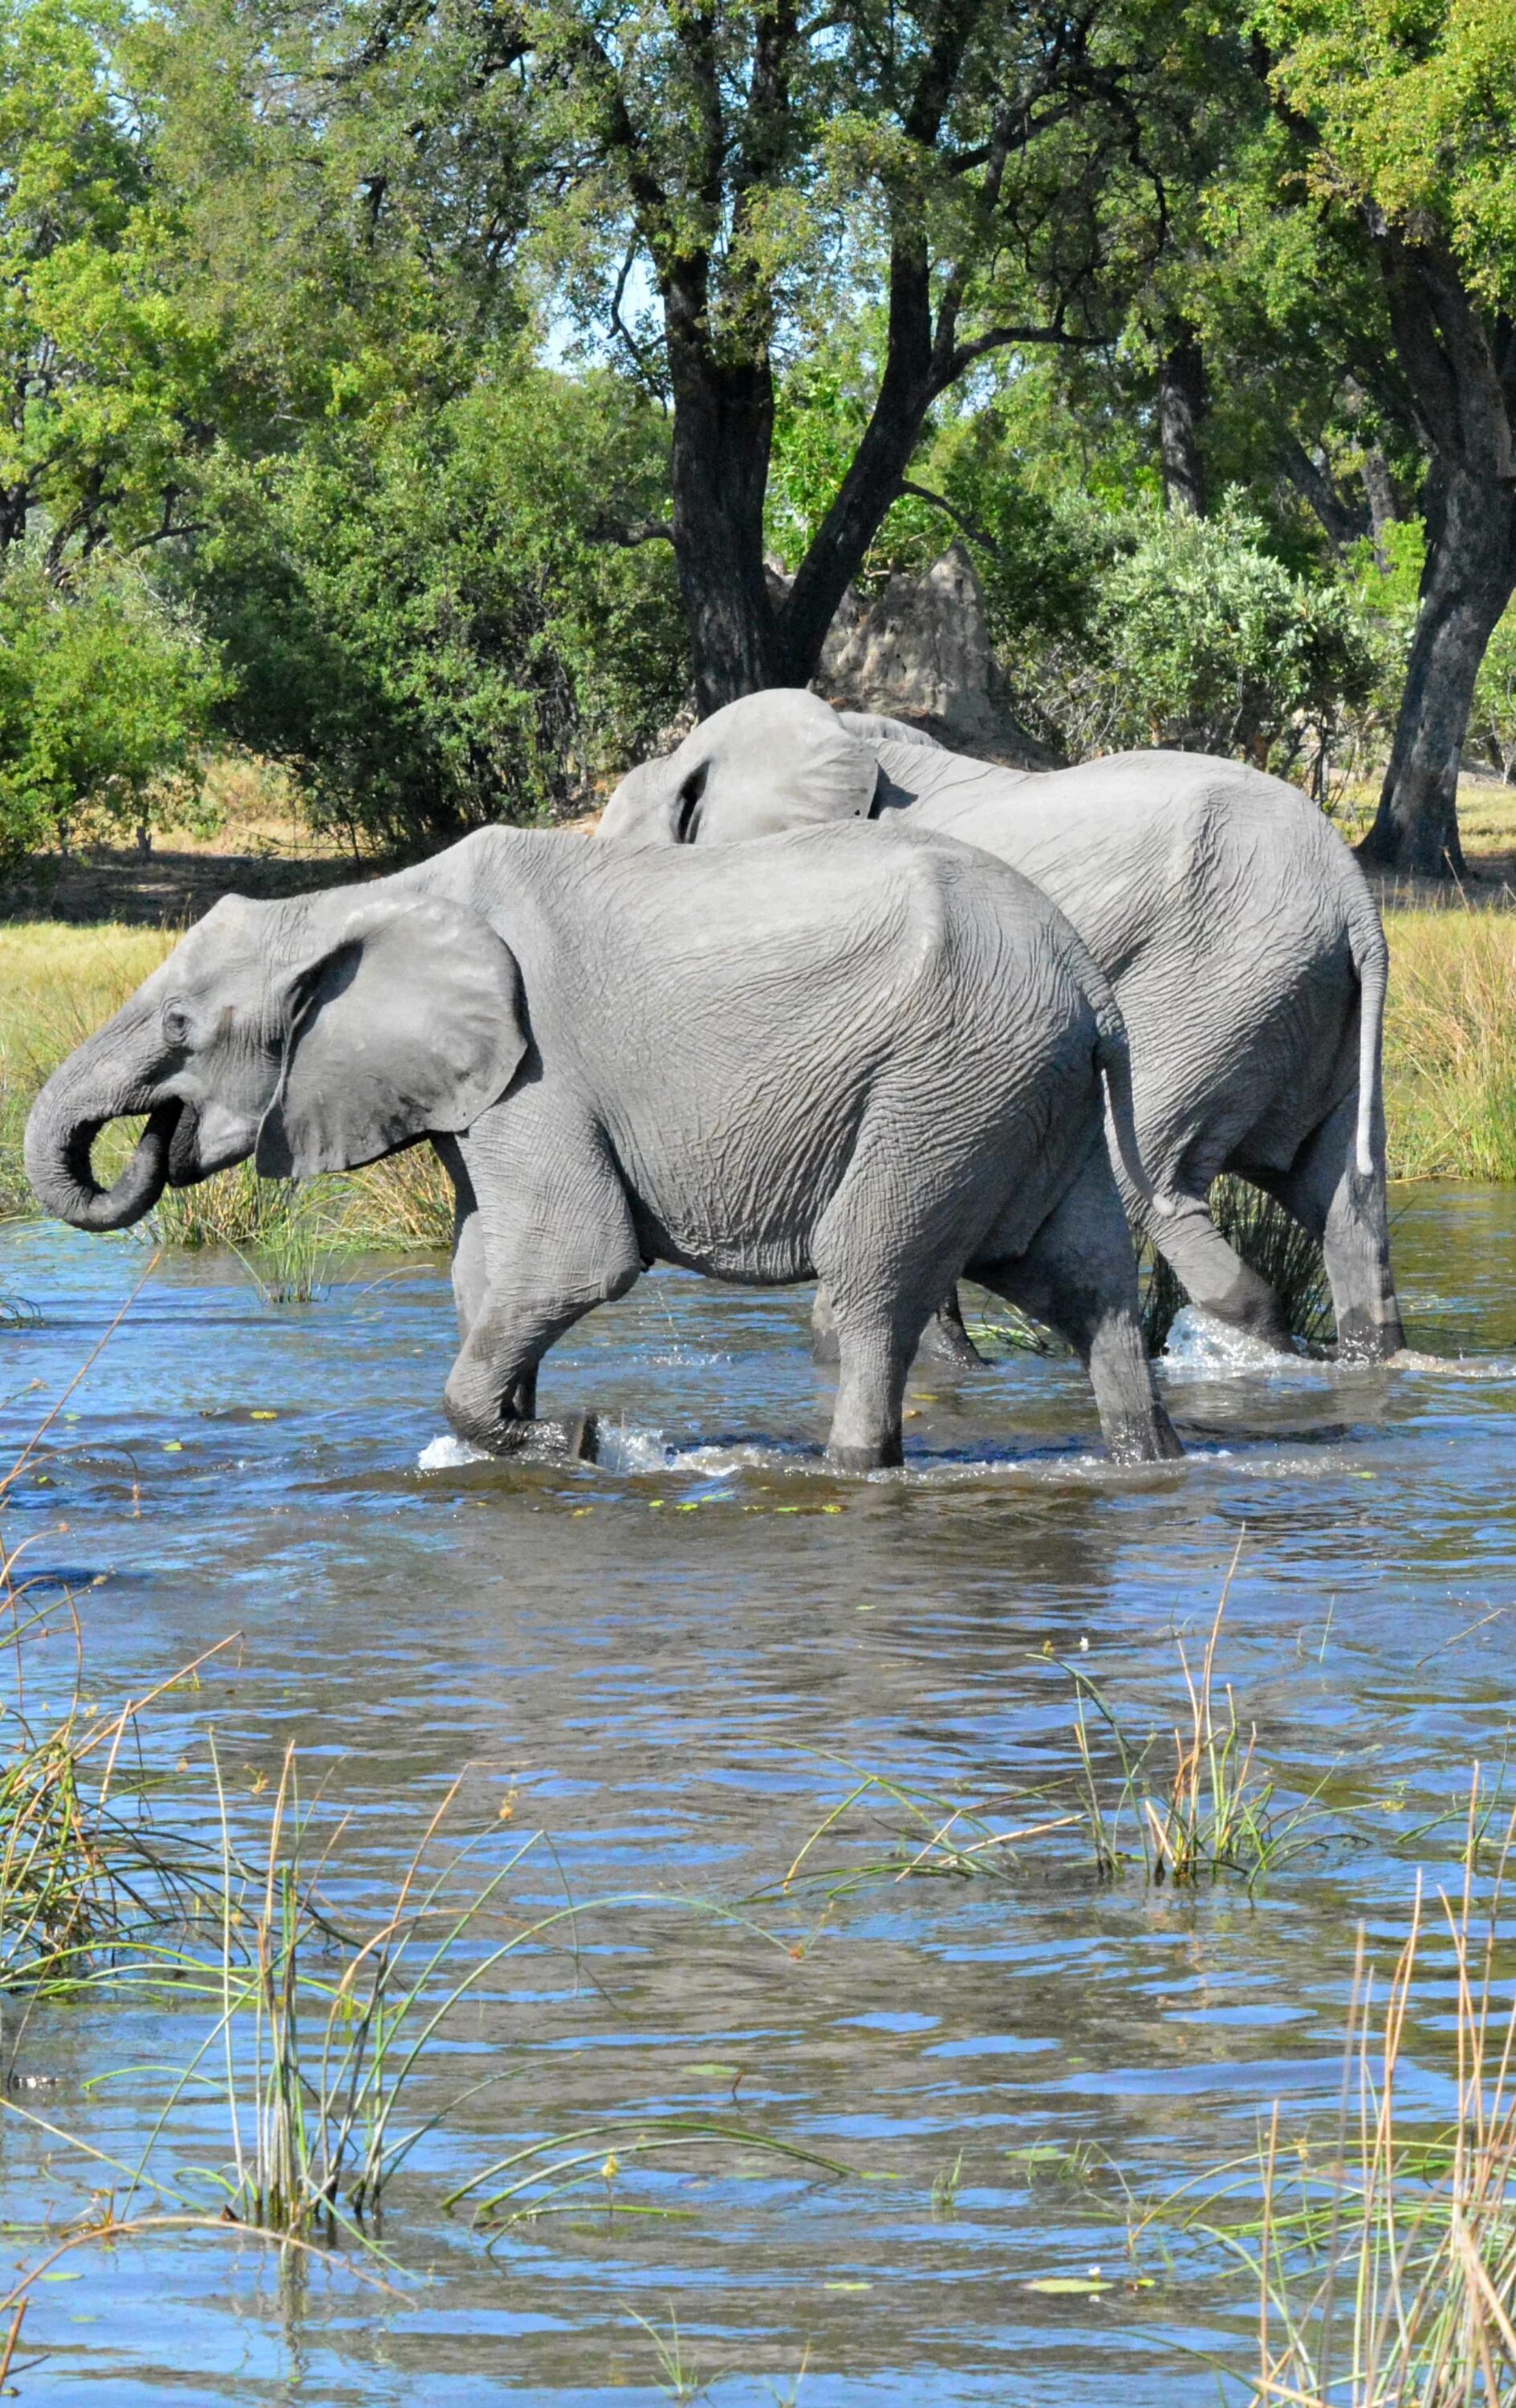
{"x": 1189, "y": 1805}
{"x": 1382, "y": 2250}
{"x": 1387, "y": 2279}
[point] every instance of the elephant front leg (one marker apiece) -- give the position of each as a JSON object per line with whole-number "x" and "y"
{"x": 490, "y": 1395}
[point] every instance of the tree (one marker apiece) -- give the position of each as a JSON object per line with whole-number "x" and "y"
{"x": 99, "y": 370}
{"x": 1401, "y": 120}
{"x": 106, "y": 698}
{"x": 420, "y": 618}
{"x": 707, "y": 186}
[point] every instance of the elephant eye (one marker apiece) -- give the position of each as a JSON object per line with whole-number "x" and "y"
{"x": 687, "y": 824}
{"x": 176, "y": 1024}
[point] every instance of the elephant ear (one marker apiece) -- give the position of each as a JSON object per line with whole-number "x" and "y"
{"x": 410, "y": 1021}
{"x": 779, "y": 759}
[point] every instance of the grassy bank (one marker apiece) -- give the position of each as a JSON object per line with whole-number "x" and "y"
{"x": 1450, "y": 1064}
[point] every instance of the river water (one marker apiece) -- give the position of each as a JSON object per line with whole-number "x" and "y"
{"x": 675, "y": 1664}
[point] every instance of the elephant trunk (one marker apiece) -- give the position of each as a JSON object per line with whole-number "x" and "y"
{"x": 91, "y": 1089}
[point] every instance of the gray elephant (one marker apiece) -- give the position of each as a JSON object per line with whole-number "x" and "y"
{"x": 854, "y": 1055}
{"x": 1234, "y": 927}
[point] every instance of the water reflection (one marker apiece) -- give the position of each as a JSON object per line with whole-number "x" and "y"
{"x": 675, "y": 1661}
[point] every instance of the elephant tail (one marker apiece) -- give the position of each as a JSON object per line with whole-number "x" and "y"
{"x": 1113, "y": 1056}
{"x": 1371, "y": 960}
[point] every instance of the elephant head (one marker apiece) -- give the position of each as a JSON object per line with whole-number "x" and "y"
{"x": 775, "y": 760}
{"x": 315, "y": 1035}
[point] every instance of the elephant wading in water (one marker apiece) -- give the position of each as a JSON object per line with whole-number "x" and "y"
{"x": 853, "y": 1055}
{"x": 1236, "y": 928}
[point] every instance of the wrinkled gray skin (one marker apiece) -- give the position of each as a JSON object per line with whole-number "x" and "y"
{"x": 1234, "y": 927}
{"x": 856, "y": 1058}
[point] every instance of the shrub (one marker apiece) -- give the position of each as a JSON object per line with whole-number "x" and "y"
{"x": 1215, "y": 646}
{"x": 431, "y": 618}
{"x": 106, "y": 694}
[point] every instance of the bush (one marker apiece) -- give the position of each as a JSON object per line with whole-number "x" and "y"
{"x": 1211, "y": 644}
{"x": 106, "y": 697}
{"x": 430, "y": 618}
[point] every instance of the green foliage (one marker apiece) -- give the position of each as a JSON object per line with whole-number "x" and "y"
{"x": 1213, "y": 645}
{"x": 106, "y": 694}
{"x": 1196, "y": 636}
{"x": 101, "y": 377}
{"x": 1413, "y": 106}
{"x": 427, "y": 610}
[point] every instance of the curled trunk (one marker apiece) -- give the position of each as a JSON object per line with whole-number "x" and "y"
{"x": 91, "y": 1089}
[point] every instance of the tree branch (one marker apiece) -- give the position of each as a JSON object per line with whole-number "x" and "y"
{"x": 940, "y": 501}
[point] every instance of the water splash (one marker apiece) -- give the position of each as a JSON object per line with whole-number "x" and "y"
{"x": 448, "y": 1454}
{"x": 1201, "y": 1345}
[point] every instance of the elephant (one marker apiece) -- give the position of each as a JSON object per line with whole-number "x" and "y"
{"x": 855, "y": 1055}
{"x": 1238, "y": 932}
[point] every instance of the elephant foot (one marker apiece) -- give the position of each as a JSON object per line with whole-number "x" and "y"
{"x": 565, "y": 1438}
{"x": 946, "y": 1340}
{"x": 1144, "y": 1440}
{"x": 569, "y": 1437}
{"x": 1362, "y": 1338}
{"x": 863, "y": 1458}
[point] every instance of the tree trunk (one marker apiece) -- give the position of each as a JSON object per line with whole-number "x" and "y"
{"x": 1468, "y": 581}
{"x": 1181, "y": 405}
{"x": 723, "y": 423}
{"x": 1383, "y": 508}
{"x": 1462, "y": 375}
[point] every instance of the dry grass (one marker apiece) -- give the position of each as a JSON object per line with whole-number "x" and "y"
{"x": 1451, "y": 1044}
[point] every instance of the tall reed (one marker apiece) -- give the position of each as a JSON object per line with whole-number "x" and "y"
{"x": 1386, "y": 2267}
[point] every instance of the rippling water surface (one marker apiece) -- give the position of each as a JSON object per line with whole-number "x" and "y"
{"x": 676, "y": 1664}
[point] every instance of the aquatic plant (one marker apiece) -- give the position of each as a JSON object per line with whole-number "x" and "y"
{"x": 294, "y": 1257}
{"x": 1384, "y": 2252}
{"x": 1219, "y": 1811}
{"x": 89, "y": 1878}
{"x": 87, "y": 1873}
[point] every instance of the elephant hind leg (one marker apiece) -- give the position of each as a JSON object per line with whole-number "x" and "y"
{"x": 1214, "y": 1276}
{"x": 879, "y": 1302}
{"x": 1078, "y": 1275}
{"x": 1330, "y": 1197}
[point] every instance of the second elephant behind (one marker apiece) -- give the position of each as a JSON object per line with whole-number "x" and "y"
{"x": 1234, "y": 927}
